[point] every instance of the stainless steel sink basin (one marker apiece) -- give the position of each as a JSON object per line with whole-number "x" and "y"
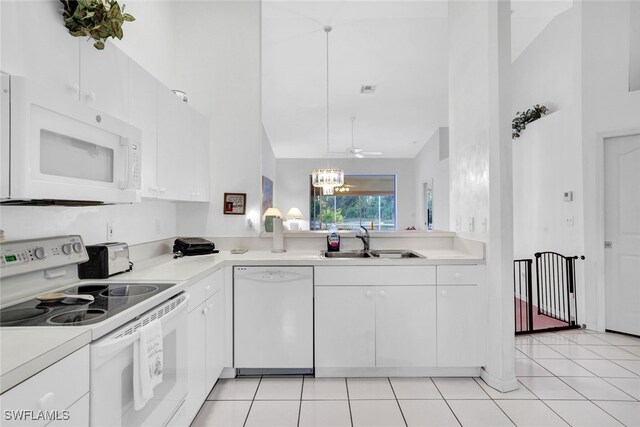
{"x": 395, "y": 253}
{"x": 346, "y": 254}
{"x": 386, "y": 253}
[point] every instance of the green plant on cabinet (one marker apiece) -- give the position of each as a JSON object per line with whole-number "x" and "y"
{"x": 97, "y": 19}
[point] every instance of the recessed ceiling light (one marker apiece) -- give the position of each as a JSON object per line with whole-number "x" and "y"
{"x": 367, "y": 89}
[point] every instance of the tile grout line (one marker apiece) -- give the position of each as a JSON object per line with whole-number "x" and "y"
{"x": 605, "y": 411}
{"x": 346, "y": 384}
{"x": 252, "y": 400}
{"x": 493, "y": 400}
{"x": 300, "y": 405}
{"x": 445, "y": 401}
{"x": 397, "y": 402}
{"x": 612, "y": 384}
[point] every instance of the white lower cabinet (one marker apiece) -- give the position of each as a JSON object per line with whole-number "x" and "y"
{"x": 206, "y": 339}
{"x": 345, "y": 327}
{"x": 461, "y": 314}
{"x": 391, "y": 323}
{"x": 405, "y": 326}
{"x": 60, "y": 392}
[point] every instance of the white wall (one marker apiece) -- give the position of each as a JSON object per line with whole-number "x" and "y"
{"x": 480, "y": 161}
{"x": 608, "y": 109}
{"x": 292, "y": 182}
{"x": 220, "y": 43}
{"x": 432, "y": 167}
{"x": 134, "y": 223}
{"x": 268, "y": 160}
{"x": 547, "y": 157}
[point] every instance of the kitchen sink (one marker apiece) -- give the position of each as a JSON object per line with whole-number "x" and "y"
{"x": 346, "y": 254}
{"x": 382, "y": 253}
{"x": 395, "y": 253}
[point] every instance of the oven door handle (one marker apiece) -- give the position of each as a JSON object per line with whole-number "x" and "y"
{"x": 103, "y": 350}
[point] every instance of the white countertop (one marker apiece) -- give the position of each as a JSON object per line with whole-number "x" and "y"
{"x": 27, "y": 350}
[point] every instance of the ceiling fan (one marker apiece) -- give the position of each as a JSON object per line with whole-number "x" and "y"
{"x": 356, "y": 152}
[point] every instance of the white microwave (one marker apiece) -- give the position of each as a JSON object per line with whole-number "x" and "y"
{"x": 55, "y": 148}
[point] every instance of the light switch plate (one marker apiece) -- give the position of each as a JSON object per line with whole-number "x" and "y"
{"x": 568, "y": 196}
{"x": 470, "y": 224}
{"x": 569, "y": 221}
{"x": 109, "y": 232}
{"x": 483, "y": 225}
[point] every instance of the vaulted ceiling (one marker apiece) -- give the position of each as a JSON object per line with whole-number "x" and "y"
{"x": 398, "y": 46}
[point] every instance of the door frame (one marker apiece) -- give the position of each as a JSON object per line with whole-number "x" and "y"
{"x": 598, "y": 250}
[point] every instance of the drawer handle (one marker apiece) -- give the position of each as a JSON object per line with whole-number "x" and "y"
{"x": 47, "y": 401}
{"x": 457, "y": 275}
{"x": 383, "y": 294}
{"x": 204, "y": 310}
{"x": 368, "y": 293}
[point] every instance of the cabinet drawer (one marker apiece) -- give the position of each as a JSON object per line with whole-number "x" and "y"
{"x": 203, "y": 289}
{"x": 382, "y": 275}
{"x": 55, "y": 388}
{"x": 460, "y": 274}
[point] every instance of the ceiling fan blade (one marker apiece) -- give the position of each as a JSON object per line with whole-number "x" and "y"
{"x": 358, "y": 155}
{"x": 371, "y": 153}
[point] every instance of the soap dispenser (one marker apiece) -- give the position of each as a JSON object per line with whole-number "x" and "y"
{"x": 333, "y": 239}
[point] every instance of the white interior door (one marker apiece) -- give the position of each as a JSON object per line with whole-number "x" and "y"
{"x": 622, "y": 230}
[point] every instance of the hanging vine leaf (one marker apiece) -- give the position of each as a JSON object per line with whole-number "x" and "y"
{"x": 519, "y": 123}
{"x": 97, "y": 19}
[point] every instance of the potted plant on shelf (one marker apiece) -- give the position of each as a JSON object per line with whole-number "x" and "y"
{"x": 519, "y": 123}
{"x": 97, "y": 19}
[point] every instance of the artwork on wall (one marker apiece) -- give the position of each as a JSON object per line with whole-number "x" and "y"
{"x": 235, "y": 203}
{"x": 267, "y": 194}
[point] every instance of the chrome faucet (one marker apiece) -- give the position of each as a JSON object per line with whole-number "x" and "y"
{"x": 364, "y": 236}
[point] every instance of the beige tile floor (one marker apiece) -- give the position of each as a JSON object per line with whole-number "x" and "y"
{"x": 576, "y": 378}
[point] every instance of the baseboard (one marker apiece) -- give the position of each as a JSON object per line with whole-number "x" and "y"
{"x": 502, "y": 386}
{"x": 397, "y": 372}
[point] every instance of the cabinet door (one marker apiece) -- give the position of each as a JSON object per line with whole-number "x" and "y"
{"x": 201, "y": 157}
{"x": 215, "y": 338}
{"x": 461, "y": 323}
{"x": 405, "y": 326}
{"x": 104, "y": 79}
{"x": 197, "y": 392}
{"x": 36, "y": 45}
{"x": 175, "y": 148}
{"x": 143, "y": 114}
{"x": 345, "y": 326}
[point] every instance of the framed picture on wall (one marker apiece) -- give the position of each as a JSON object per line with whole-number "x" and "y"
{"x": 267, "y": 194}
{"x": 235, "y": 203}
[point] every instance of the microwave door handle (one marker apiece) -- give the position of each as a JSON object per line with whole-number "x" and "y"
{"x": 104, "y": 350}
{"x": 128, "y": 181}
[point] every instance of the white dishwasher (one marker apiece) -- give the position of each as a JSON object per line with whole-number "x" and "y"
{"x": 273, "y": 320}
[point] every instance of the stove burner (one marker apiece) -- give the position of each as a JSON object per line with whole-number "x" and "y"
{"x": 129, "y": 290}
{"x": 14, "y": 315}
{"x": 89, "y": 289}
{"x": 78, "y": 317}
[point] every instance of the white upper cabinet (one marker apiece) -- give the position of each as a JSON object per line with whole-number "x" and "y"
{"x": 175, "y": 147}
{"x": 104, "y": 79}
{"x": 183, "y": 150}
{"x": 36, "y": 45}
{"x": 143, "y": 114}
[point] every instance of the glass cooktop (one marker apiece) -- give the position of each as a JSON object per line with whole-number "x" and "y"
{"x": 109, "y": 299}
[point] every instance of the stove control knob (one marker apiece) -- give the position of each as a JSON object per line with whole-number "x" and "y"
{"x": 39, "y": 252}
{"x": 66, "y": 248}
{"x": 77, "y": 247}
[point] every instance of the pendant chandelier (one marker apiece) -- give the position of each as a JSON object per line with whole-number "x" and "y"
{"x": 327, "y": 178}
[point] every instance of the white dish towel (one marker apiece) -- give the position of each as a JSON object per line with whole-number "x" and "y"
{"x": 147, "y": 363}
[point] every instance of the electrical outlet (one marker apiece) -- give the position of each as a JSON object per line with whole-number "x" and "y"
{"x": 109, "y": 231}
{"x": 470, "y": 223}
{"x": 483, "y": 225}
{"x": 569, "y": 221}
{"x": 458, "y": 223}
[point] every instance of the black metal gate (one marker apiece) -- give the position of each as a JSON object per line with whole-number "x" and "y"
{"x": 553, "y": 307}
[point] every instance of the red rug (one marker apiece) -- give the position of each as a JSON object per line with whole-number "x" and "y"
{"x": 540, "y": 321}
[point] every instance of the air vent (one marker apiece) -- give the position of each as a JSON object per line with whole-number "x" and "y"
{"x": 367, "y": 89}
